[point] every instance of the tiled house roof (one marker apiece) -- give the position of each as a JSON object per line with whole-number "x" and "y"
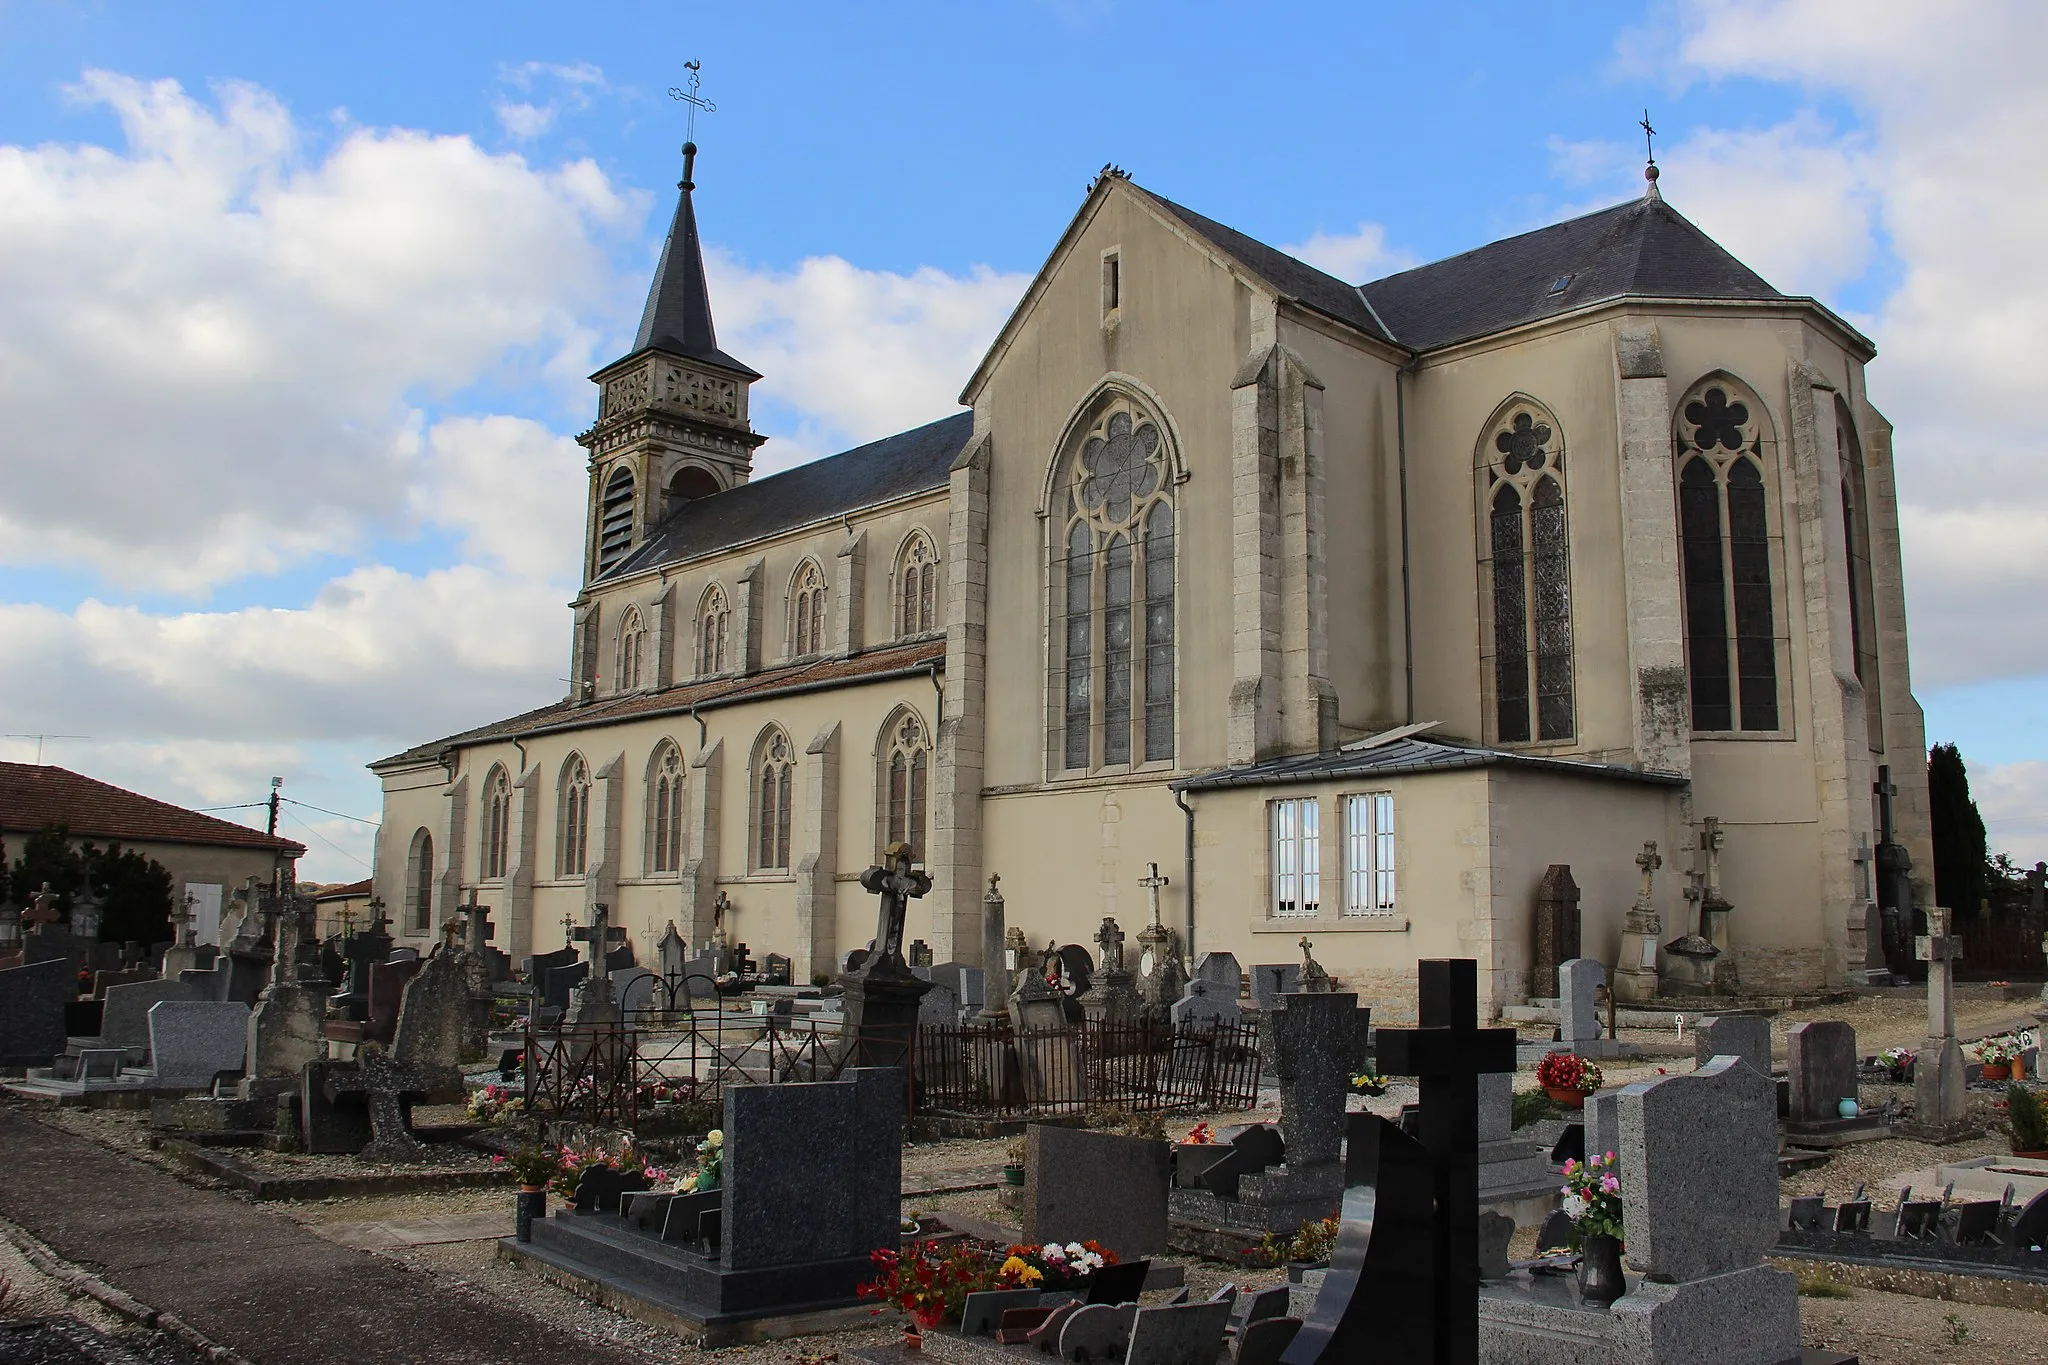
{"x": 34, "y": 797}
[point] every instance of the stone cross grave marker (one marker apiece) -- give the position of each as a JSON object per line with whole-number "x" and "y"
{"x": 596, "y": 1005}
{"x": 1635, "y": 975}
{"x": 477, "y": 926}
{"x": 1110, "y": 938}
{"x": 383, "y": 1084}
{"x": 1314, "y": 980}
{"x": 895, "y": 884}
{"x": 1448, "y": 1052}
{"x": 1939, "y": 1101}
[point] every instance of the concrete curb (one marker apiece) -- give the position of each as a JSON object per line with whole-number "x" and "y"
{"x": 114, "y": 1300}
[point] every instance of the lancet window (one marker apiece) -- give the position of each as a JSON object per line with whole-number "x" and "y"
{"x": 1724, "y": 454}
{"x": 1526, "y": 564}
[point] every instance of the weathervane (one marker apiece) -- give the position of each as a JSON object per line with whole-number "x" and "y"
{"x": 696, "y": 102}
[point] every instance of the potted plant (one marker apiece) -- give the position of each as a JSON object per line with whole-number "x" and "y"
{"x": 1898, "y": 1062}
{"x": 1369, "y": 1082}
{"x": 1996, "y": 1054}
{"x": 1567, "y": 1078}
{"x": 1052, "y": 1266}
{"x": 928, "y": 1283}
{"x": 1013, "y": 1163}
{"x": 1195, "y": 1155}
{"x": 1592, "y": 1200}
{"x": 1308, "y": 1247}
{"x": 2024, "y": 1122}
{"x": 533, "y": 1167}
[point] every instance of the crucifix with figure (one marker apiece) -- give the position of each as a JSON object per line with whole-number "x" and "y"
{"x": 896, "y": 883}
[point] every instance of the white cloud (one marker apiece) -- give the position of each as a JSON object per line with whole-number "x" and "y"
{"x": 514, "y": 490}
{"x": 1352, "y": 256}
{"x": 1946, "y": 178}
{"x": 211, "y": 338}
{"x": 858, "y": 353}
{"x": 2013, "y": 800}
{"x": 570, "y": 87}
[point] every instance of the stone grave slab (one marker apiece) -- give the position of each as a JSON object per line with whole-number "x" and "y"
{"x": 1222, "y": 972}
{"x": 1747, "y": 1036}
{"x": 125, "y": 1020}
{"x": 191, "y": 1041}
{"x": 32, "y": 1001}
{"x": 1271, "y": 980}
{"x": 331, "y": 1124}
{"x": 1080, "y": 1185}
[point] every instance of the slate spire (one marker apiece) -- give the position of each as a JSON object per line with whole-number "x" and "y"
{"x": 678, "y": 313}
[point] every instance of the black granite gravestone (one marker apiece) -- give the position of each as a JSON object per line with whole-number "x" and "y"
{"x": 1437, "y": 1303}
{"x": 599, "y": 1187}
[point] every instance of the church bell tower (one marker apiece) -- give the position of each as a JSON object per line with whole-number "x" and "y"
{"x": 672, "y": 415}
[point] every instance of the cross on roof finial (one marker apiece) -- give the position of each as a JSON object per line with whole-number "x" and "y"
{"x": 696, "y": 102}
{"x": 1649, "y": 156}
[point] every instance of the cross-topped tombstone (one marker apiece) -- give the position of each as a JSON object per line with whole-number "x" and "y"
{"x": 1160, "y": 975}
{"x": 1635, "y": 975}
{"x": 476, "y": 923}
{"x": 362, "y": 950}
{"x": 896, "y": 883}
{"x": 882, "y": 994}
{"x": 41, "y": 908}
{"x": 1939, "y": 1104}
{"x": 1448, "y": 1052}
{"x": 1110, "y": 938}
{"x": 183, "y": 917}
{"x": 594, "y": 1003}
{"x": 384, "y": 1086}
{"x": 1894, "y": 886}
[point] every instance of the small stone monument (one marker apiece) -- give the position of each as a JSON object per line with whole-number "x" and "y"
{"x": 1715, "y": 912}
{"x": 1160, "y": 975}
{"x": 1557, "y": 926}
{"x": 1578, "y": 1009}
{"x": 285, "y": 1027}
{"x": 1314, "y": 980}
{"x": 1940, "y": 1107}
{"x": 1635, "y": 975}
{"x": 995, "y": 1002}
{"x": 1110, "y": 998}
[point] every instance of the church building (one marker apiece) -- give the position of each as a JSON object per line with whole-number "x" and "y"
{"x": 1353, "y": 607}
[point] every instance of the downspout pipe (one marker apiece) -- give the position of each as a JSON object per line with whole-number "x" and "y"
{"x": 1180, "y": 798}
{"x": 1407, "y": 596}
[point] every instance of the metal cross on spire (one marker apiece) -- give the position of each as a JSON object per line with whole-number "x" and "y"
{"x": 1649, "y": 155}
{"x": 696, "y": 102}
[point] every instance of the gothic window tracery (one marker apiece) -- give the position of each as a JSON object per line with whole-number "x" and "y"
{"x": 632, "y": 640}
{"x": 917, "y": 586}
{"x": 1724, "y": 454}
{"x": 806, "y": 610}
{"x": 497, "y": 823}
{"x": 1527, "y": 580}
{"x": 572, "y": 843}
{"x": 615, "y": 519}
{"x": 774, "y": 782}
{"x": 1113, "y": 591}
{"x": 665, "y": 809}
{"x": 1862, "y": 596}
{"x": 714, "y": 628}
{"x": 906, "y": 779}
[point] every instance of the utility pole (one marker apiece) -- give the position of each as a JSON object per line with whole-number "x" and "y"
{"x": 275, "y": 783}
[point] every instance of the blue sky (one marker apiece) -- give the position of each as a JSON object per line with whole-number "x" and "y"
{"x": 360, "y": 257}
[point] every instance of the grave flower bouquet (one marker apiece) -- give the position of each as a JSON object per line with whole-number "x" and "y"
{"x": 1898, "y": 1061}
{"x": 1592, "y": 1199}
{"x": 929, "y": 1282}
{"x": 1053, "y": 1266}
{"x": 1201, "y": 1135}
{"x": 575, "y": 1161}
{"x": 533, "y": 1167}
{"x": 1369, "y": 1081}
{"x": 1998, "y": 1051}
{"x": 495, "y": 1104}
{"x": 1567, "y": 1071}
{"x": 710, "y": 1163}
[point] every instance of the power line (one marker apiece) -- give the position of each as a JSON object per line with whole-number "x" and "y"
{"x": 373, "y": 824}
{"x": 246, "y": 805}
{"x": 330, "y": 843}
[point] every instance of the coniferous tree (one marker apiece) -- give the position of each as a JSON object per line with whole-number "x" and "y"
{"x": 1961, "y": 852}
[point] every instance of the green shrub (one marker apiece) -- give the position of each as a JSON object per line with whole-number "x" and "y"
{"x": 2024, "y": 1121}
{"x": 1531, "y": 1106}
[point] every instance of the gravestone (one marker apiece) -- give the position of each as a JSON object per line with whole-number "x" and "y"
{"x": 881, "y": 997}
{"x": 442, "y": 1025}
{"x": 1747, "y": 1036}
{"x": 285, "y": 1028}
{"x": 191, "y": 1041}
{"x": 541, "y": 964}
{"x": 634, "y": 989}
{"x": 1820, "y": 1058}
{"x": 1203, "y": 1006}
{"x": 671, "y": 952}
{"x": 385, "y": 1085}
{"x": 560, "y": 985}
{"x": 767, "y": 1176}
{"x": 996, "y": 960}
{"x": 331, "y": 1125}
{"x": 776, "y": 967}
{"x": 964, "y": 980}
{"x": 102, "y": 982}
{"x": 1635, "y": 974}
{"x": 1578, "y": 1009}
{"x": 1110, "y": 997}
{"x": 1220, "y": 970}
{"x": 1048, "y": 1051}
{"x": 1178, "y": 1333}
{"x": 124, "y": 1023}
{"x": 1557, "y": 926}
{"x": 360, "y": 951}
{"x": 388, "y": 981}
{"x": 1271, "y": 980}
{"x": 32, "y": 1001}
{"x": 940, "y": 1007}
{"x": 1080, "y": 1185}
{"x": 1940, "y": 1106}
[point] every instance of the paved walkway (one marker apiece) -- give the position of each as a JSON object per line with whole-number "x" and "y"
{"x": 248, "y": 1278}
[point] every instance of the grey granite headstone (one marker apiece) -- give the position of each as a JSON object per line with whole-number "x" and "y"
{"x": 1820, "y": 1058}
{"x": 1496, "y": 1106}
{"x": 560, "y": 982}
{"x": 1271, "y": 980}
{"x": 939, "y": 1007}
{"x": 1179, "y": 1334}
{"x": 1221, "y": 971}
{"x": 442, "y": 1022}
{"x": 1578, "y": 1010}
{"x": 1202, "y": 1004}
{"x": 964, "y": 980}
{"x": 1747, "y": 1036}
{"x": 1080, "y": 1185}
{"x": 125, "y": 1021}
{"x": 1317, "y": 1041}
{"x": 633, "y": 988}
{"x": 850, "y": 1189}
{"x": 1603, "y": 1123}
{"x": 1699, "y": 1171}
{"x": 32, "y": 1001}
{"x": 190, "y": 1041}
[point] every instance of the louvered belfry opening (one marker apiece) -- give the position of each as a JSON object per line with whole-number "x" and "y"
{"x": 615, "y": 520}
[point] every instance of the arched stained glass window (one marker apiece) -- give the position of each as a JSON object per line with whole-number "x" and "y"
{"x": 773, "y": 789}
{"x": 806, "y": 610}
{"x": 906, "y": 777}
{"x": 1725, "y": 553}
{"x": 714, "y": 626}
{"x": 665, "y": 809}
{"x": 572, "y": 843}
{"x": 497, "y": 823}
{"x": 1527, "y": 577}
{"x": 1862, "y": 595}
{"x": 917, "y": 586}
{"x": 1114, "y": 590}
{"x": 632, "y": 643}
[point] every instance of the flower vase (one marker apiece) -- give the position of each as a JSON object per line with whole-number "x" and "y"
{"x": 1570, "y": 1099}
{"x": 1997, "y": 1071}
{"x": 530, "y": 1203}
{"x": 1600, "y": 1279}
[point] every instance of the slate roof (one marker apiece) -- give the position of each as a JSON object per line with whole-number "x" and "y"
{"x": 34, "y": 797}
{"x": 1643, "y": 248}
{"x": 914, "y": 461}
{"x": 1409, "y": 755}
{"x": 913, "y": 657}
{"x": 1298, "y": 280}
{"x": 677, "y": 317}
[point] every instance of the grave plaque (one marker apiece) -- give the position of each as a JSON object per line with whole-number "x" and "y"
{"x": 1821, "y": 1060}
{"x": 1080, "y": 1185}
{"x": 32, "y": 1001}
{"x": 1747, "y": 1036}
{"x": 191, "y": 1041}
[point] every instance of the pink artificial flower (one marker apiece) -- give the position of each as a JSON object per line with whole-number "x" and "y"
{"x": 1570, "y": 1165}
{"x": 1609, "y": 1185}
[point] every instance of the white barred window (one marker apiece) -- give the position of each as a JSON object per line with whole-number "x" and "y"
{"x": 1369, "y": 854}
{"x": 1297, "y": 857}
